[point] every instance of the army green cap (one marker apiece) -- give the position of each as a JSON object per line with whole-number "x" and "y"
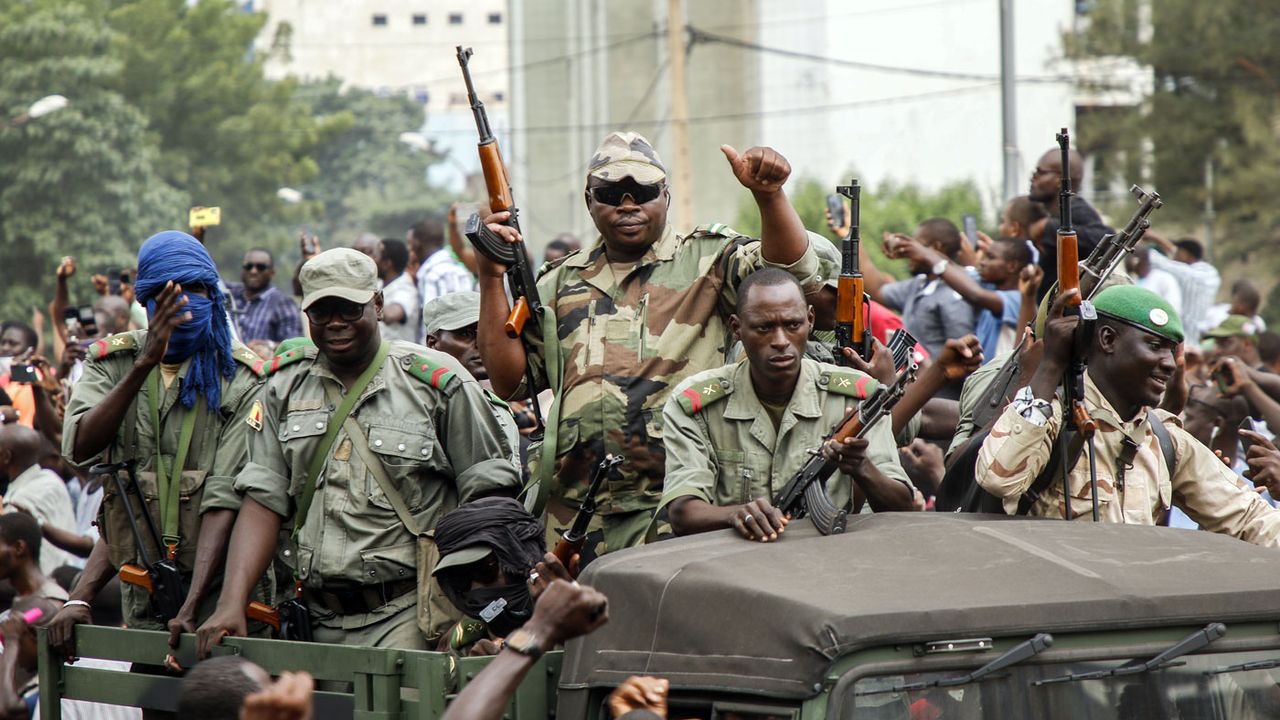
{"x": 453, "y": 311}
{"x": 341, "y": 273}
{"x": 463, "y": 556}
{"x": 1141, "y": 308}
{"x": 829, "y": 262}
{"x": 627, "y": 154}
{"x": 1234, "y": 326}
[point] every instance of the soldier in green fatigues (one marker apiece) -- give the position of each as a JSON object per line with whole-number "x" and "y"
{"x": 627, "y": 319}
{"x": 735, "y": 435}
{"x": 182, "y": 389}
{"x": 364, "y": 445}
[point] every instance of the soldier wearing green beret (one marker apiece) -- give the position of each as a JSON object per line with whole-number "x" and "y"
{"x": 630, "y": 317}
{"x": 363, "y": 445}
{"x": 736, "y": 434}
{"x": 1130, "y": 365}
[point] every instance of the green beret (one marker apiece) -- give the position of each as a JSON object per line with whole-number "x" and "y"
{"x": 1141, "y": 308}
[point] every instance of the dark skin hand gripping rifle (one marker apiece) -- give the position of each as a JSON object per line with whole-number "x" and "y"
{"x": 575, "y": 537}
{"x": 806, "y": 492}
{"x": 852, "y": 302}
{"x": 525, "y": 303}
{"x": 1076, "y": 416}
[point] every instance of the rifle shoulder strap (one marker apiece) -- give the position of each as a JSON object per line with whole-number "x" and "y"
{"x": 535, "y": 493}
{"x": 1074, "y": 443}
{"x": 1166, "y": 442}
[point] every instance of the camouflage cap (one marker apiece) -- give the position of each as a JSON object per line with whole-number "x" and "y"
{"x": 829, "y": 262}
{"x": 1234, "y": 326}
{"x": 627, "y": 154}
{"x": 1141, "y": 308}
{"x": 341, "y": 273}
{"x": 452, "y": 311}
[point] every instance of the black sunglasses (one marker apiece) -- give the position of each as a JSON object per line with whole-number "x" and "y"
{"x": 323, "y": 313}
{"x": 614, "y": 193}
{"x": 260, "y": 267}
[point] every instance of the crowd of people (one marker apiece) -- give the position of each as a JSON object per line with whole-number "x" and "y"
{"x": 389, "y": 465}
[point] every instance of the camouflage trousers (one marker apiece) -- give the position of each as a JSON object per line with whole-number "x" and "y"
{"x": 606, "y": 533}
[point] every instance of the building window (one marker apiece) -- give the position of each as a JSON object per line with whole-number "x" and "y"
{"x": 498, "y": 96}
{"x": 455, "y": 18}
{"x": 419, "y": 19}
{"x": 495, "y": 18}
{"x": 421, "y": 96}
{"x": 379, "y": 20}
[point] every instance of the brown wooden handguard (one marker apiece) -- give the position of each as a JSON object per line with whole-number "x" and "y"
{"x": 847, "y": 296}
{"x": 564, "y": 552}
{"x": 263, "y": 613}
{"x": 518, "y": 317}
{"x": 859, "y": 312}
{"x": 1068, "y": 265}
{"x": 135, "y": 575}
{"x": 849, "y": 427}
{"x": 495, "y": 178}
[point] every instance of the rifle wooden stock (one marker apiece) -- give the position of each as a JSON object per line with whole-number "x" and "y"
{"x": 517, "y": 318}
{"x": 136, "y": 576}
{"x": 263, "y": 613}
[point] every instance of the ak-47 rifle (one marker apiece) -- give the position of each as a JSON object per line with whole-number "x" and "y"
{"x": 1113, "y": 248}
{"x": 525, "y": 303}
{"x": 291, "y": 620}
{"x": 1076, "y": 416}
{"x": 852, "y": 302}
{"x": 806, "y": 492}
{"x": 572, "y": 540}
{"x": 160, "y": 578}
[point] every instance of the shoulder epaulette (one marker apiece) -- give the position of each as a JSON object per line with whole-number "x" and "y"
{"x": 703, "y": 393}
{"x": 496, "y": 401}
{"x": 467, "y": 632}
{"x": 248, "y": 358}
{"x": 547, "y": 267}
{"x": 112, "y": 344}
{"x": 714, "y": 230}
{"x": 298, "y": 351}
{"x": 430, "y": 371}
{"x": 847, "y": 381}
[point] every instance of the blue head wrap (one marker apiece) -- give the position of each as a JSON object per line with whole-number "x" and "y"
{"x": 173, "y": 256}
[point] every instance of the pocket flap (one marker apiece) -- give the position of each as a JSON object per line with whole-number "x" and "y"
{"x": 303, "y": 424}
{"x": 400, "y": 443}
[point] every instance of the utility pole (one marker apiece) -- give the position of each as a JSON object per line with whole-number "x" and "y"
{"x": 1008, "y": 100}
{"x": 680, "y": 167}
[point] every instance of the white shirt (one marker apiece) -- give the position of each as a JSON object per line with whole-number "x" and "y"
{"x": 1214, "y": 316}
{"x": 1164, "y": 285}
{"x": 85, "y": 710}
{"x": 1199, "y": 282}
{"x": 44, "y": 494}
{"x": 440, "y": 275}
{"x": 403, "y": 292}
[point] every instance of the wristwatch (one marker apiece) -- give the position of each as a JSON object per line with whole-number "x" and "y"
{"x": 939, "y": 267}
{"x": 525, "y": 643}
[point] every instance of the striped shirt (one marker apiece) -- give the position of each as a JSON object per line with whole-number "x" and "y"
{"x": 1199, "y": 282}
{"x": 271, "y": 315}
{"x": 441, "y": 274}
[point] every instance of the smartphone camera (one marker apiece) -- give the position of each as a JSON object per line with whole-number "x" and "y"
{"x": 23, "y": 374}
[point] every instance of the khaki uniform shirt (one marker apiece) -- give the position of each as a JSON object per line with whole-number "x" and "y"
{"x": 219, "y": 445}
{"x": 626, "y": 341}
{"x": 1206, "y": 490}
{"x": 426, "y": 419}
{"x": 726, "y": 450}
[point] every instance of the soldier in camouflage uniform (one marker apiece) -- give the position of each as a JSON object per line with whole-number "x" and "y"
{"x": 187, "y": 371}
{"x": 1130, "y": 364}
{"x": 416, "y": 413}
{"x": 736, "y": 434}
{"x": 628, "y": 318}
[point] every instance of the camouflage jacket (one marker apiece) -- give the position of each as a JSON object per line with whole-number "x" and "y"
{"x": 1201, "y": 486}
{"x": 626, "y": 341}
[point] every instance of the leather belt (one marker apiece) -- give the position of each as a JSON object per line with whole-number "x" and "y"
{"x": 357, "y": 599}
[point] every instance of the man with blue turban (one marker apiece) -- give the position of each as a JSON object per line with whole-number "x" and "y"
{"x": 179, "y": 401}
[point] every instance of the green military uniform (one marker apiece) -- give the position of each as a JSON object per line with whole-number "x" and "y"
{"x": 722, "y": 446}
{"x": 439, "y": 442}
{"x": 218, "y": 450}
{"x": 626, "y": 335}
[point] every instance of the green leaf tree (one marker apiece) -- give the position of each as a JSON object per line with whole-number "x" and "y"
{"x": 80, "y": 181}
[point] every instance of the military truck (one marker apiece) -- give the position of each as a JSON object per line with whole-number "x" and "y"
{"x": 917, "y": 616}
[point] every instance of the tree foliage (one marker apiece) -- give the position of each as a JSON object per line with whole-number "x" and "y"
{"x": 80, "y": 181}
{"x": 1216, "y": 95}
{"x": 889, "y": 207}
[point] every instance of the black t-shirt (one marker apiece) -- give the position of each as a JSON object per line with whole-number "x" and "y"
{"x": 1089, "y": 230}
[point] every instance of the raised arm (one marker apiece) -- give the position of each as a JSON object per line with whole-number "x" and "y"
{"x": 955, "y": 275}
{"x": 504, "y": 357}
{"x": 783, "y": 239}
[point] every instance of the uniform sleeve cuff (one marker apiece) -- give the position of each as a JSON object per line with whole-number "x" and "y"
{"x": 487, "y": 477}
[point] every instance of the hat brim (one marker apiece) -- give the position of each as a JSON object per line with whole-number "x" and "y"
{"x": 641, "y": 172}
{"x": 358, "y": 297}
{"x": 452, "y": 325}
{"x": 1181, "y": 337}
{"x": 465, "y": 556}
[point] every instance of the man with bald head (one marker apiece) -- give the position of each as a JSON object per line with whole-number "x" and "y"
{"x": 1046, "y": 183}
{"x": 33, "y": 489}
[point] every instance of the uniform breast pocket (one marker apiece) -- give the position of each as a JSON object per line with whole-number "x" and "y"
{"x": 733, "y": 478}
{"x": 300, "y": 434}
{"x": 405, "y": 453}
{"x": 1082, "y": 492}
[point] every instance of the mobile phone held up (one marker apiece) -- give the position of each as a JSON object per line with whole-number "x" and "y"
{"x": 971, "y": 230}
{"x": 835, "y": 206}
{"x": 23, "y": 373}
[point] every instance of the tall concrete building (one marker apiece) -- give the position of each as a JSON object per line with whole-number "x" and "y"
{"x": 401, "y": 47}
